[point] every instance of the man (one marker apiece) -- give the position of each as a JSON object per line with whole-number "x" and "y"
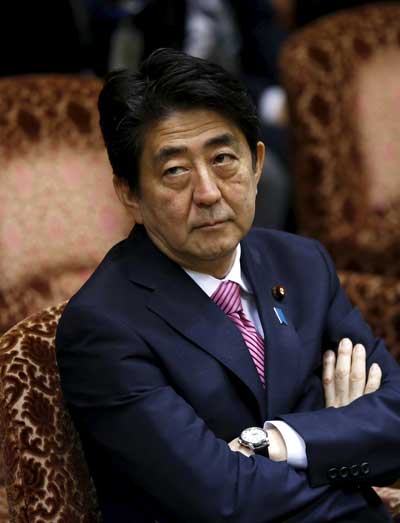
{"x": 244, "y": 38}
{"x": 195, "y": 331}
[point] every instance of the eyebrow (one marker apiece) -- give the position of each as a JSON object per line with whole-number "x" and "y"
{"x": 169, "y": 151}
{"x": 223, "y": 139}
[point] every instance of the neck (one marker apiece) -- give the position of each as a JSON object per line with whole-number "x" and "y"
{"x": 217, "y": 268}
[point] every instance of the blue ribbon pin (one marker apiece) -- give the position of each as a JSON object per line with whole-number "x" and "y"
{"x": 280, "y": 316}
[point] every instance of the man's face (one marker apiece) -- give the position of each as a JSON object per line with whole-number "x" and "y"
{"x": 197, "y": 188}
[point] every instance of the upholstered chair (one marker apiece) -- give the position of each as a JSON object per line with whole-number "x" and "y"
{"x": 58, "y": 211}
{"x": 46, "y": 476}
{"x": 342, "y": 78}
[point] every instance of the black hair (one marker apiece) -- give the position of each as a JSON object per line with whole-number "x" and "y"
{"x": 168, "y": 80}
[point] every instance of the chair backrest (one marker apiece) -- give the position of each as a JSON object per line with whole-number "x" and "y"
{"x": 58, "y": 211}
{"x": 342, "y": 78}
{"x": 46, "y": 476}
{"x": 378, "y": 299}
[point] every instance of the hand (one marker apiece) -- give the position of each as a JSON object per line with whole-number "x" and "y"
{"x": 346, "y": 381}
{"x": 277, "y": 446}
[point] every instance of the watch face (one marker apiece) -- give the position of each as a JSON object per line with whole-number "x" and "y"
{"x": 254, "y": 435}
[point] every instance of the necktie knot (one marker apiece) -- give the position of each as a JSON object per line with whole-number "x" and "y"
{"x": 227, "y": 297}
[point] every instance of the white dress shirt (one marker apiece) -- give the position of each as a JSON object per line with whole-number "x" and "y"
{"x": 295, "y": 445}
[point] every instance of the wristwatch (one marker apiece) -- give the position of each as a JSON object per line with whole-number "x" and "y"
{"x": 256, "y": 439}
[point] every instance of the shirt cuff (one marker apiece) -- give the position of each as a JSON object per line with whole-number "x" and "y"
{"x": 295, "y": 444}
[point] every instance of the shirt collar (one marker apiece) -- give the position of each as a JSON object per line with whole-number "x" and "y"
{"x": 209, "y": 284}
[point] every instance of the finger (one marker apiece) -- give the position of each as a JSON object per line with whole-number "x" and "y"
{"x": 234, "y": 445}
{"x": 374, "y": 379}
{"x": 237, "y": 447}
{"x": 245, "y": 451}
{"x": 358, "y": 372}
{"x": 342, "y": 372}
{"x": 328, "y": 375}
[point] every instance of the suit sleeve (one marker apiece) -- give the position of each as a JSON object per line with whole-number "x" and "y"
{"x": 119, "y": 394}
{"x": 359, "y": 443}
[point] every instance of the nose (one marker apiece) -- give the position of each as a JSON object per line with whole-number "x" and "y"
{"x": 206, "y": 191}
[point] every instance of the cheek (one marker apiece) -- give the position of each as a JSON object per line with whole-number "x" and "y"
{"x": 242, "y": 193}
{"x": 171, "y": 212}
{"x": 243, "y": 205}
{"x": 160, "y": 201}
{"x": 175, "y": 207}
{"x": 245, "y": 177}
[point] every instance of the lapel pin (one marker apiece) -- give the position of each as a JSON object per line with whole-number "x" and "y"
{"x": 278, "y": 292}
{"x": 281, "y": 317}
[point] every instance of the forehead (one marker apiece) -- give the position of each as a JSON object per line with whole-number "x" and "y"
{"x": 191, "y": 129}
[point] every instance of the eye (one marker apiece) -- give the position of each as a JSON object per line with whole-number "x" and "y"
{"x": 224, "y": 158}
{"x": 173, "y": 171}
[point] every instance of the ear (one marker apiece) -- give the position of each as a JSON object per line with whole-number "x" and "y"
{"x": 260, "y": 161}
{"x": 129, "y": 198}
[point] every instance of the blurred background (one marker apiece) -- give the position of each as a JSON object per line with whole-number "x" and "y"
{"x": 324, "y": 75}
{"x": 93, "y": 37}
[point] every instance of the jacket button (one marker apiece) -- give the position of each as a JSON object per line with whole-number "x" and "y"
{"x": 333, "y": 473}
{"x": 354, "y": 470}
{"x": 344, "y": 472}
{"x": 365, "y": 468}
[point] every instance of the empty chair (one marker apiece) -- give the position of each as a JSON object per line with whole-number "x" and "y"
{"x": 58, "y": 211}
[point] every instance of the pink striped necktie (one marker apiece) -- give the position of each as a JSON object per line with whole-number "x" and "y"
{"x": 227, "y": 297}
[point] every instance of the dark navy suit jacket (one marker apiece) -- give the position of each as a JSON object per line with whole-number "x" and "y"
{"x": 158, "y": 380}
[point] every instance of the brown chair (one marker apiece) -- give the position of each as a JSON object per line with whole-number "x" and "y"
{"x": 342, "y": 78}
{"x": 58, "y": 211}
{"x": 46, "y": 477}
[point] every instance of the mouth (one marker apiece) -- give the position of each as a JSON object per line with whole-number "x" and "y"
{"x": 211, "y": 225}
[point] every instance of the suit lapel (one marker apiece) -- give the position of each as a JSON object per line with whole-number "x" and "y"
{"x": 179, "y": 301}
{"x": 282, "y": 344}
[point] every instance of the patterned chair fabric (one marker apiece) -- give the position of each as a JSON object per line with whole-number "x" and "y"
{"x": 58, "y": 211}
{"x": 391, "y": 496}
{"x": 46, "y": 476}
{"x": 378, "y": 298}
{"x": 345, "y": 134}
{"x": 345, "y": 129}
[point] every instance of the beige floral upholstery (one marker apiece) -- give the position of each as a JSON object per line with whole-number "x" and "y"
{"x": 392, "y": 500}
{"x": 342, "y": 78}
{"x": 58, "y": 211}
{"x": 46, "y": 476}
{"x": 345, "y": 130}
{"x": 378, "y": 298}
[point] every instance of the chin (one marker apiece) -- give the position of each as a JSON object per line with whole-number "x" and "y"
{"x": 215, "y": 251}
